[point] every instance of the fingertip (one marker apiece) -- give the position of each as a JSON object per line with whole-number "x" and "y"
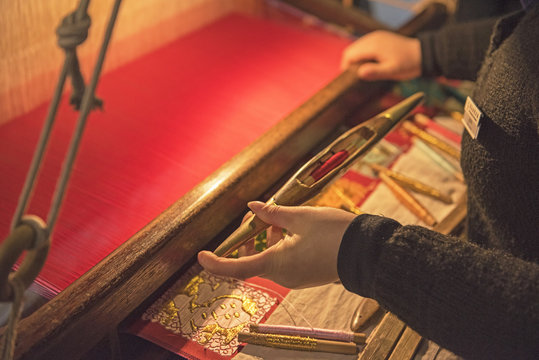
{"x": 265, "y": 211}
{"x": 205, "y": 258}
{"x": 240, "y": 268}
{"x": 255, "y": 205}
{"x": 366, "y": 72}
{"x": 202, "y": 254}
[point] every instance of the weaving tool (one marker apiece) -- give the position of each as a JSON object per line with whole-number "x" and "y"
{"x": 325, "y": 167}
{"x": 413, "y": 184}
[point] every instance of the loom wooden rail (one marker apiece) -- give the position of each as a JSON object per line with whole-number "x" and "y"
{"x": 335, "y": 12}
{"x": 430, "y": 17}
{"x": 75, "y": 320}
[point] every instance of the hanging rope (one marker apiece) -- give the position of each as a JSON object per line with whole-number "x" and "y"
{"x": 87, "y": 103}
{"x": 30, "y": 233}
{"x": 72, "y": 32}
{"x": 70, "y": 38}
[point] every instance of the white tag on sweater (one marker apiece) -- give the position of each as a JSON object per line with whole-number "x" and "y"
{"x": 472, "y": 118}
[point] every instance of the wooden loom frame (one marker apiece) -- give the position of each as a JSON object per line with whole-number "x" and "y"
{"x": 80, "y": 316}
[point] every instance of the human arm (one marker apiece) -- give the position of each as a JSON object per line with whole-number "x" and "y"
{"x": 478, "y": 303}
{"x": 455, "y": 51}
{"x": 384, "y": 55}
{"x": 306, "y": 256}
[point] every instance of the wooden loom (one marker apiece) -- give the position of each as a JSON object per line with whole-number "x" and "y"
{"x": 66, "y": 327}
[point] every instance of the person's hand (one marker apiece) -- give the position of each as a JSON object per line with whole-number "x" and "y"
{"x": 383, "y": 55}
{"x": 306, "y": 256}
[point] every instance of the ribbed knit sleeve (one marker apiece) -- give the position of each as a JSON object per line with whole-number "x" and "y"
{"x": 358, "y": 276}
{"x": 456, "y": 51}
{"x": 479, "y": 303}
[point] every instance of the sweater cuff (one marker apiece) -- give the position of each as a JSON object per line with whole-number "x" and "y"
{"x": 428, "y": 58}
{"x": 360, "y": 250}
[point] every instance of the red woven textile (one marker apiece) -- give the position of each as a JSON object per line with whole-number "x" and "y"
{"x": 170, "y": 119}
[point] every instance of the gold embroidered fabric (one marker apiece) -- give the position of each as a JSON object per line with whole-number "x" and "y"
{"x": 210, "y": 310}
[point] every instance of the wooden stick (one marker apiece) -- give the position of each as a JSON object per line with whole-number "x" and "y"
{"x": 298, "y": 343}
{"x": 324, "y": 334}
{"x": 408, "y": 200}
{"x": 438, "y": 159}
{"x": 447, "y": 133}
{"x": 413, "y": 184}
{"x": 432, "y": 140}
{"x": 348, "y": 203}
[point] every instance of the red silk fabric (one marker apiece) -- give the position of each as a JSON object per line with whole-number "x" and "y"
{"x": 170, "y": 119}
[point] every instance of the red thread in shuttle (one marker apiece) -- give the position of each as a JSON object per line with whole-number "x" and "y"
{"x": 330, "y": 164}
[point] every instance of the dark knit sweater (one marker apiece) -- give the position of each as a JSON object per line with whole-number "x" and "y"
{"x": 479, "y": 299}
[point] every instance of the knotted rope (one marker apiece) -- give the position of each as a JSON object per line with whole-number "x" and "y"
{"x": 31, "y": 233}
{"x": 72, "y": 32}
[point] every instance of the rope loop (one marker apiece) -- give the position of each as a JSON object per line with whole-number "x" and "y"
{"x": 30, "y": 235}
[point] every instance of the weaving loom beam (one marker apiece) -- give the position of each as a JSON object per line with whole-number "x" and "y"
{"x": 430, "y": 17}
{"x": 333, "y": 11}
